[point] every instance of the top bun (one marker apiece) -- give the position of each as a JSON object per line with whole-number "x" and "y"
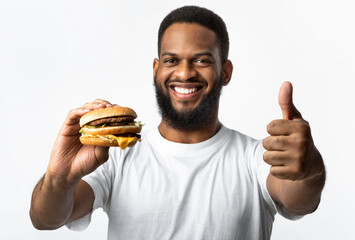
{"x": 107, "y": 112}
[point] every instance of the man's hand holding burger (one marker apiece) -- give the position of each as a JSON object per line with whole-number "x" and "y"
{"x": 71, "y": 159}
{"x": 53, "y": 201}
{"x": 297, "y": 171}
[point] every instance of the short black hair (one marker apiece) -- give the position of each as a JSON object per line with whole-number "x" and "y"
{"x": 202, "y": 16}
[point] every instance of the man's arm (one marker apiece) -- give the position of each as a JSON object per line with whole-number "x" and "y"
{"x": 55, "y": 203}
{"x": 300, "y": 197}
{"x": 61, "y": 196}
{"x": 297, "y": 173}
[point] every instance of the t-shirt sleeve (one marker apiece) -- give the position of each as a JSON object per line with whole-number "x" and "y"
{"x": 101, "y": 183}
{"x": 263, "y": 170}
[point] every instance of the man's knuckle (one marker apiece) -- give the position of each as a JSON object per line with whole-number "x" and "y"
{"x": 298, "y": 141}
{"x": 272, "y": 125}
{"x": 266, "y": 142}
{"x": 282, "y": 141}
{"x": 304, "y": 129}
{"x": 71, "y": 112}
{"x": 266, "y": 157}
{"x": 302, "y": 144}
{"x": 269, "y": 127}
{"x": 298, "y": 157}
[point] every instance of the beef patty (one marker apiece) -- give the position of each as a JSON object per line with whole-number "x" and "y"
{"x": 112, "y": 121}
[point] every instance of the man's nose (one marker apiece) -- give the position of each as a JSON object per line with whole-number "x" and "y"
{"x": 185, "y": 70}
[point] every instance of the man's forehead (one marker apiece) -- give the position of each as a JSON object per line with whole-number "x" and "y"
{"x": 185, "y": 36}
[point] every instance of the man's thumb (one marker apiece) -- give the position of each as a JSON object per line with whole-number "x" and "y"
{"x": 289, "y": 110}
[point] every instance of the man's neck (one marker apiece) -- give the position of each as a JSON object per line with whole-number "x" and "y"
{"x": 189, "y": 136}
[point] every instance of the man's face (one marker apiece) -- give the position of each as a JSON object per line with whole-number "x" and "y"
{"x": 188, "y": 76}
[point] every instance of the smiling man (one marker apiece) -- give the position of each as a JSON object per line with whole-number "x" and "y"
{"x": 191, "y": 178}
{"x": 188, "y": 79}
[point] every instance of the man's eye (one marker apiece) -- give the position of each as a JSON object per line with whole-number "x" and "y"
{"x": 203, "y": 61}
{"x": 170, "y": 60}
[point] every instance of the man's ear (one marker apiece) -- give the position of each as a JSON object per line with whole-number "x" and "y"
{"x": 227, "y": 70}
{"x": 155, "y": 67}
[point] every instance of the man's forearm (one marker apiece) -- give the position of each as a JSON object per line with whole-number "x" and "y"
{"x": 52, "y": 203}
{"x": 302, "y": 196}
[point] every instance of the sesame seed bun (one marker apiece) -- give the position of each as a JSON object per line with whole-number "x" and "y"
{"x": 107, "y": 112}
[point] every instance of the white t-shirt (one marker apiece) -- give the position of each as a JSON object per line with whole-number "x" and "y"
{"x": 159, "y": 189}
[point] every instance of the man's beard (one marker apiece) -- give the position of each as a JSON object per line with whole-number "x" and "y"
{"x": 188, "y": 119}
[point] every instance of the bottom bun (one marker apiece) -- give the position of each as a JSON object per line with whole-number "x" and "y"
{"x": 97, "y": 141}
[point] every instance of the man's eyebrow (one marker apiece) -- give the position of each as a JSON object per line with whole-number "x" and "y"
{"x": 206, "y": 53}
{"x": 203, "y": 54}
{"x": 169, "y": 54}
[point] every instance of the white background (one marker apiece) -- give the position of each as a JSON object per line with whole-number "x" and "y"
{"x": 57, "y": 55}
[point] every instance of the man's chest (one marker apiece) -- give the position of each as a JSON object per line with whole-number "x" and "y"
{"x": 195, "y": 199}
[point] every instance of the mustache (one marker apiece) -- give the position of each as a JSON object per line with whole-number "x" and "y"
{"x": 178, "y": 80}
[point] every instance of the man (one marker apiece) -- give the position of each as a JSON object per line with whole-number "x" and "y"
{"x": 192, "y": 178}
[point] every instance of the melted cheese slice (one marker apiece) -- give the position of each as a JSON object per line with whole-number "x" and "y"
{"x": 123, "y": 142}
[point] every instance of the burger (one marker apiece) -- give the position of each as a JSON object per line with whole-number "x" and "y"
{"x": 110, "y": 127}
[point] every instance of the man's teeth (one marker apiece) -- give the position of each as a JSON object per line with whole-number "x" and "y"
{"x": 185, "y": 90}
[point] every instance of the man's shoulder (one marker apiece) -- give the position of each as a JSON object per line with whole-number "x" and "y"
{"x": 241, "y": 142}
{"x": 242, "y": 137}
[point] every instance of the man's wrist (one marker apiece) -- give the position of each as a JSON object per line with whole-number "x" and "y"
{"x": 57, "y": 182}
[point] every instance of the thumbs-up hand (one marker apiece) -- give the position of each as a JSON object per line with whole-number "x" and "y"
{"x": 290, "y": 148}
